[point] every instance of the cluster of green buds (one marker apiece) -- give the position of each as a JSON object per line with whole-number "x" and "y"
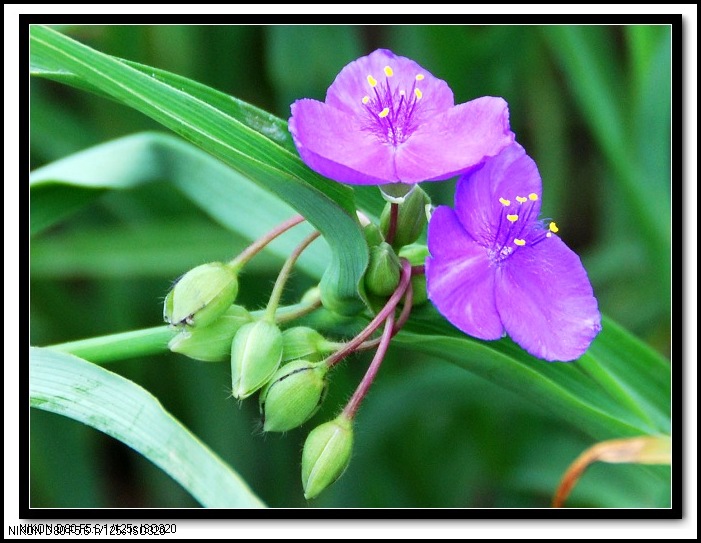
{"x": 289, "y": 365}
{"x": 402, "y": 222}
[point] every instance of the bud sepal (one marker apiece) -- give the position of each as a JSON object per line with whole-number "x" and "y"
{"x": 201, "y": 295}
{"x": 304, "y": 342}
{"x": 384, "y": 270}
{"x": 293, "y": 395}
{"x": 256, "y": 353}
{"x": 326, "y": 455}
{"x": 411, "y": 217}
{"x": 211, "y": 343}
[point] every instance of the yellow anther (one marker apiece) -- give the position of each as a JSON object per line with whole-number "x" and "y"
{"x": 505, "y": 202}
{"x": 418, "y": 94}
{"x": 419, "y": 77}
{"x": 519, "y": 242}
{"x": 533, "y": 196}
{"x": 388, "y": 71}
{"x": 512, "y": 218}
{"x": 553, "y": 227}
{"x": 521, "y": 199}
{"x": 372, "y": 81}
{"x": 384, "y": 113}
{"x": 366, "y": 99}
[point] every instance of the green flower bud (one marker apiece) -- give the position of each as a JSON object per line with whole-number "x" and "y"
{"x": 211, "y": 343}
{"x": 326, "y": 455}
{"x": 293, "y": 395}
{"x": 201, "y": 295}
{"x": 416, "y": 255}
{"x": 411, "y": 219}
{"x": 373, "y": 235}
{"x": 384, "y": 270}
{"x": 255, "y": 356}
{"x": 303, "y": 342}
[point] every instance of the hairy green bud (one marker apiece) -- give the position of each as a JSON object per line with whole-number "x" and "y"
{"x": 211, "y": 343}
{"x": 304, "y": 342}
{"x": 255, "y": 356}
{"x": 201, "y": 295}
{"x": 411, "y": 218}
{"x": 293, "y": 395}
{"x": 326, "y": 455}
{"x": 384, "y": 270}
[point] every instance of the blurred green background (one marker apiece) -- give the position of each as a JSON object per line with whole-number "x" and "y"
{"x": 590, "y": 104}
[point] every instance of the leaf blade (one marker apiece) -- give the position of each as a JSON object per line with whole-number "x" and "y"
{"x": 67, "y": 385}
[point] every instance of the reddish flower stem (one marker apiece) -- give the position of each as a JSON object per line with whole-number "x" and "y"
{"x": 352, "y": 407}
{"x": 385, "y": 312}
{"x": 393, "y": 217}
{"x": 418, "y": 270}
{"x": 257, "y": 246}
{"x": 401, "y": 320}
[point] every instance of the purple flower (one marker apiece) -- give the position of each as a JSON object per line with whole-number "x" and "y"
{"x": 496, "y": 268}
{"x": 388, "y": 120}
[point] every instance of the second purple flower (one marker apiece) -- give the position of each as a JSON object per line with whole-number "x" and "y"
{"x": 388, "y": 120}
{"x": 496, "y": 268}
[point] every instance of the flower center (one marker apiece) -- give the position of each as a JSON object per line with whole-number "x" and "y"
{"x": 518, "y": 227}
{"x": 391, "y": 108}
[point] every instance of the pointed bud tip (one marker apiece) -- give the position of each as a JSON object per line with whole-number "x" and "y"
{"x": 326, "y": 455}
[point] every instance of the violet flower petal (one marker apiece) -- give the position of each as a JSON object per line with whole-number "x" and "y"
{"x": 455, "y": 141}
{"x": 330, "y": 142}
{"x": 507, "y": 176}
{"x": 460, "y": 277}
{"x": 546, "y": 301}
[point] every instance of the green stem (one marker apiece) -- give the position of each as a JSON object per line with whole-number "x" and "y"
{"x": 294, "y": 312}
{"x": 284, "y": 274}
{"x": 149, "y": 341}
{"x": 115, "y": 347}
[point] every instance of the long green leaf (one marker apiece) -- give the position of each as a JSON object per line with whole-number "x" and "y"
{"x": 327, "y": 205}
{"x": 67, "y": 385}
{"x": 62, "y": 186}
{"x": 619, "y": 387}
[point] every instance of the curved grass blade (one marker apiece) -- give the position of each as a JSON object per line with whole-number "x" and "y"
{"x": 67, "y": 385}
{"x": 128, "y": 162}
